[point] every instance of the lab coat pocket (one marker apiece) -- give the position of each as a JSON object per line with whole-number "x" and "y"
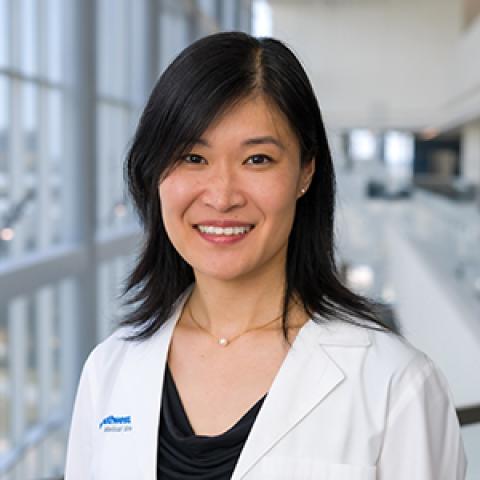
{"x": 283, "y": 468}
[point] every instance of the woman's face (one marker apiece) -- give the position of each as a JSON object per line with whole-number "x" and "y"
{"x": 229, "y": 204}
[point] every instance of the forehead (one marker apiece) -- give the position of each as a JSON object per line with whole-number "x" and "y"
{"x": 251, "y": 117}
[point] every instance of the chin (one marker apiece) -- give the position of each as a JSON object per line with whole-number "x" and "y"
{"x": 223, "y": 276}
{"x": 221, "y": 273}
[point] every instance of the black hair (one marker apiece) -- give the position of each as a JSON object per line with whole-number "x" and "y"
{"x": 204, "y": 80}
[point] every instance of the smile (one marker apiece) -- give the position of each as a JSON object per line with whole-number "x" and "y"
{"x": 224, "y": 231}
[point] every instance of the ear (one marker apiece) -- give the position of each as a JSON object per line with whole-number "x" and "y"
{"x": 308, "y": 169}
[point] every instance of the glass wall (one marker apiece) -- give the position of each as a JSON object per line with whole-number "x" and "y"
{"x": 32, "y": 183}
{"x": 120, "y": 93}
{"x": 34, "y": 358}
{"x": 74, "y": 77}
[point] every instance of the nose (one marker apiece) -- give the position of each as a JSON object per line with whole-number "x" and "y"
{"x": 223, "y": 191}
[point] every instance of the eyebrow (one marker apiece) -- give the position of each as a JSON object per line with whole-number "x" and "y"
{"x": 265, "y": 140}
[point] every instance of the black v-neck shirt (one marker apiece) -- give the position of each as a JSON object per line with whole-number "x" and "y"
{"x": 182, "y": 455}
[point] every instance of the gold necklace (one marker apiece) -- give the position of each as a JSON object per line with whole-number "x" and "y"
{"x": 223, "y": 341}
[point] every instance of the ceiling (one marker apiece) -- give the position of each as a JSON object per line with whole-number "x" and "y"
{"x": 330, "y": 2}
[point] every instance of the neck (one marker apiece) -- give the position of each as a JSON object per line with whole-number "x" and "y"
{"x": 228, "y": 308}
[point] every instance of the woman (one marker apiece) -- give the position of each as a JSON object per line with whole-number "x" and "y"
{"x": 244, "y": 356}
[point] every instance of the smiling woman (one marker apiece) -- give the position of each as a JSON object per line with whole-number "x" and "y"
{"x": 228, "y": 205}
{"x": 244, "y": 356}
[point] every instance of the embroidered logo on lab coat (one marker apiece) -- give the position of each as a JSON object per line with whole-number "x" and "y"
{"x": 116, "y": 424}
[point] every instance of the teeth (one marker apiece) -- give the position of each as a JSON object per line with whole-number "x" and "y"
{"x": 223, "y": 231}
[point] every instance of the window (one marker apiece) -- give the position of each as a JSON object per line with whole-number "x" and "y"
{"x": 399, "y": 148}
{"x": 363, "y": 145}
{"x": 121, "y": 92}
{"x": 175, "y": 29}
{"x": 63, "y": 257}
{"x": 31, "y": 99}
{"x": 33, "y": 358}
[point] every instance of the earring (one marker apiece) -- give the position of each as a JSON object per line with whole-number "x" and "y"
{"x": 303, "y": 190}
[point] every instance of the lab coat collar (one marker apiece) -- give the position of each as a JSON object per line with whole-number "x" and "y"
{"x": 335, "y": 332}
{"x": 308, "y": 370}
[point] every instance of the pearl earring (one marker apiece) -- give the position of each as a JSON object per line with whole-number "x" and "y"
{"x": 303, "y": 190}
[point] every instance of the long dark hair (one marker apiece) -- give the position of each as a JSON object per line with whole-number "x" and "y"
{"x": 202, "y": 82}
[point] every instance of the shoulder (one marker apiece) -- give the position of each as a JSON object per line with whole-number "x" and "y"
{"x": 106, "y": 359}
{"x": 380, "y": 357}
{"x": 118, "y": 349}
{"x": 410, "y": 372}
{"x": 398, "y": 358}
{"x": 389, "y": 371}
{"x": 113, "y": 347}
{"x": 109, "y": 355}
{"x": 395, "y": 352}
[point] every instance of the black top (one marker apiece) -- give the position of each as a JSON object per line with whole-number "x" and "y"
{"x": 183, "y": 455}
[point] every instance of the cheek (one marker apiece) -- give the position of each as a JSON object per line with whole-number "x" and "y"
{"x": 280, "y": 194}
{"x": 175, "y": 197}
{"x": 277, "y": 201}
{"x": 174, "y": 190}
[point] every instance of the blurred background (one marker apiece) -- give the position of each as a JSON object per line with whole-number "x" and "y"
{"x": 398, "y": 82}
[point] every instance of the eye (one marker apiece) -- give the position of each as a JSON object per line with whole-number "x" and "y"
{"x": 194, "y": 159}
{"x": 258, "y": 160}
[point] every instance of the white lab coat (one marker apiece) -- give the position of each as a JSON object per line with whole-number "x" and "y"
{"x": 347, "y": 404}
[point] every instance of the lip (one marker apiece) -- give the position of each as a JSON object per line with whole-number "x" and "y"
{"x": 223, "y": 239}
{"x": 223, "y": 223}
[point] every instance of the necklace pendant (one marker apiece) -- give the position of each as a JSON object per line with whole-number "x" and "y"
{"x": 223, "y": 342}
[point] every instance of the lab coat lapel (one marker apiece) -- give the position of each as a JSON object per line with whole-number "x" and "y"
{"x": 143, "y": 374}
{"x": 306, "y": 377}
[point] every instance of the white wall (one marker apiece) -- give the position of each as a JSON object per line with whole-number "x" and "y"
{"x": 471, "y": 152}
{"x": 468, "y": 59}
{"x": 406, "y": 64}
{"x": 378, "y": 63}
{"x": 463, "y": 100}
